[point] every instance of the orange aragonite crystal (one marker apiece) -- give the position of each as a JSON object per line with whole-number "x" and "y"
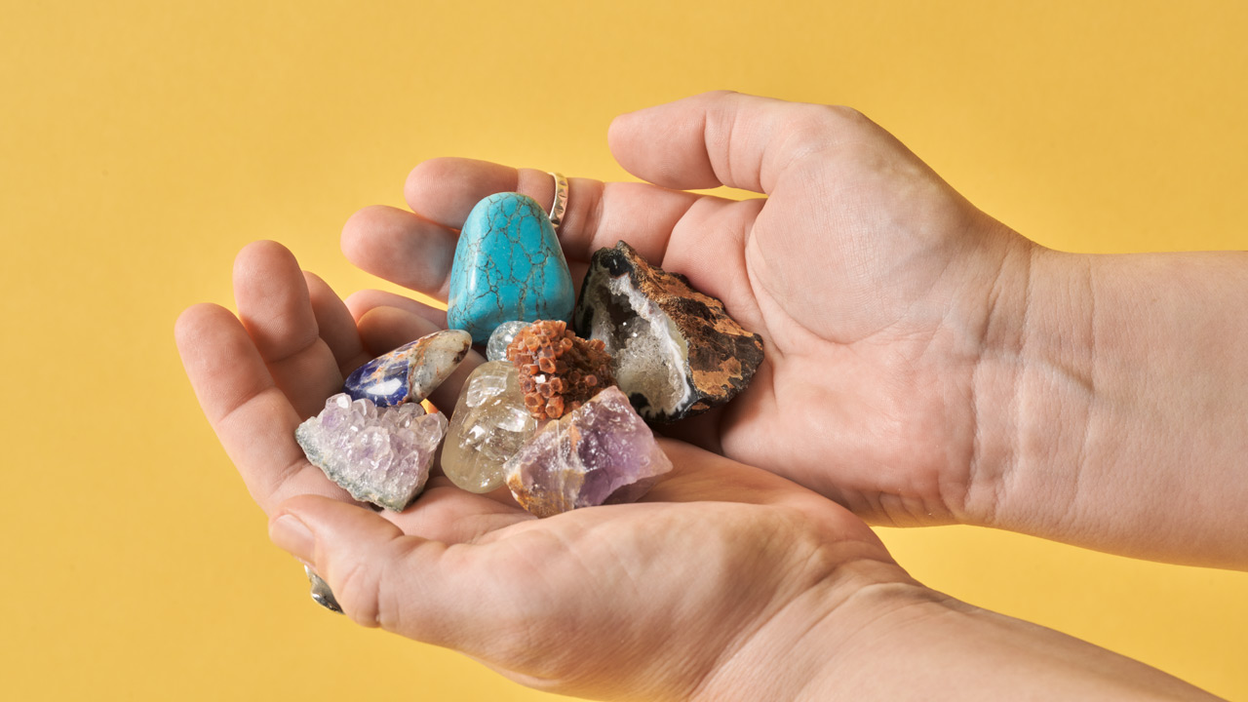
{"x": 559, "y": 371}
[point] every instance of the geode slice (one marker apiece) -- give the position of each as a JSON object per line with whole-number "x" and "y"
{"x": 676, "y": 351}
{"x": 380, "y": 455}
{"x": 599, "y": 454}
{"x": 488, "y": 427}
{"x": 559, "y": 370}
{"x": 410, "y": 372}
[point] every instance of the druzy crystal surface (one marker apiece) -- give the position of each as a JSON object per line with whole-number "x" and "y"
{"x": 410, "y": 372}
{"x": 508, "y": 265}
{"x": 489, "y": 425}
{"x": 559, "y": 371}
{"x": 676, "y": 352}
{"x": 380, "y": 455}
{"x": 496, "y": 348}
{"x": 601, "y": 453}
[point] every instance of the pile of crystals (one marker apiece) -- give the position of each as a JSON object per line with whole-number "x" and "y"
{"x": 558, "y": 413}
{"x": 374, "y": 439}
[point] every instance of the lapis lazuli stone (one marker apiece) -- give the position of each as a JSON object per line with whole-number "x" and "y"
{"x": 410, "y": 372}
{"x": 508, "y": 266}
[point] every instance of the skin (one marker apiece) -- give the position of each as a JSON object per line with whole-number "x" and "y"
{"x": 925, "y": 364}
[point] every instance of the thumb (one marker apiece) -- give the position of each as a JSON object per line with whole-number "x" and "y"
{"x": 381, "y": 576}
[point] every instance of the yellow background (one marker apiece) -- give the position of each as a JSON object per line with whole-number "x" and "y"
{"x": 143, "y": 143}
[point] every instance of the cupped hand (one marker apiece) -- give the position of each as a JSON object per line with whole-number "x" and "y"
{"x": 873, "y": 284}
{"x": 718, "y": 569}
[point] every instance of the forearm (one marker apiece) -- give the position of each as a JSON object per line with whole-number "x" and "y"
{"x": 903, "y": 642}
{"x": 1121, "y": 407}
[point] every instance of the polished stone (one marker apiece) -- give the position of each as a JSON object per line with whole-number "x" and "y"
{"x": 601, "y": 453}
{"x": 489, "y": 425}
{"x": 379, "y": 455}
{"x": 496, "y": 348}
{"x": 508, "y": 266}
{"x": 410, "y": 372}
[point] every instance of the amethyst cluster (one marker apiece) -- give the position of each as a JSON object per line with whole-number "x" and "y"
{"x": 600, "y": 453}
{"x": 380, "y": 455}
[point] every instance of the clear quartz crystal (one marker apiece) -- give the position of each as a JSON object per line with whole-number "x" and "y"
{"x": 489, "y": 425}
{"x": 381, "y": 455}
{"x": 496, "y": 348}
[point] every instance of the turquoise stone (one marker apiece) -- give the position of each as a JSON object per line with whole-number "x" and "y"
{"x": 508, "y": 266}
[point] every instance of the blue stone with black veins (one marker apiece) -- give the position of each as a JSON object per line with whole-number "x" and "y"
{"x": 508, "y": 266}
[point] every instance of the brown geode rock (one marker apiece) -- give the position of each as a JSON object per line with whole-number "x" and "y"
{"x": 675, "y": 351}
{"x": 559, "y": 371}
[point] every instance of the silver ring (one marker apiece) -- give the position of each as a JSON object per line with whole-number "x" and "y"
{"x": 561, "y": 200}
{"x": 321, "y": 594}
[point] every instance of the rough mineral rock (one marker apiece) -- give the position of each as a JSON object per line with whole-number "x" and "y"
{"x": 559, "y": 371}
{"x": 489, "y": 425}
{"x": 496, "y": 349}
{"x": 410, "y": 372}
{"x": 601, "y": 453}
{"x": 381, "y": 455}
{"x": 676, "y": 351}
{"x": 508, "y": 265}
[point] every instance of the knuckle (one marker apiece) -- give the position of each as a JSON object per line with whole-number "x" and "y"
{"x": 821, "y": 121}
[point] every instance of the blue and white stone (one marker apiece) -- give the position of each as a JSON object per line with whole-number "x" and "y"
{"x": 508, "y": 266}
{"x": 410, "y": 372}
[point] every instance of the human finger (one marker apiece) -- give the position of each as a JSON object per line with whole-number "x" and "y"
{"x": 726, "y": 138}
{"x": 252, "y": 418}
{"x": 598, "y": 214}
{"x": 275, "y": 308}
{"x": 404, "y": 248}
{"x": 335, "y": 325}
{"x": 361, "y": 301}
{"x": 422, "y": 588}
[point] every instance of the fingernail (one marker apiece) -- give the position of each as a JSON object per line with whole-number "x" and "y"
{"x": 294, "y": 537}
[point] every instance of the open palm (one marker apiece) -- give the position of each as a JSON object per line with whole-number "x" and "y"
{"x": 625, "y": 600}
{"x": 872, "y": 282}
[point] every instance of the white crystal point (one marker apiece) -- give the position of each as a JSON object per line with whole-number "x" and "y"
{"x": 489, "y": 425}
{"x": 379, "y": 455}
{"x": 496, "y": 347}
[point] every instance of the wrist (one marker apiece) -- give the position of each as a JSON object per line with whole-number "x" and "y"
{"x": 1034, "y": 393}
{"x": 1110, "y": 402}
{"x": 880, "y": 635}
{"x": 794, "y": 653}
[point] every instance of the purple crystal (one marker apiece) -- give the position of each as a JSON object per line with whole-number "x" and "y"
{"x": 598, "y": 454}
{"x": 381, "y": 455}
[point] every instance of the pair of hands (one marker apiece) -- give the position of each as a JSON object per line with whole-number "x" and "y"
{"x": 880, "y": 294}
